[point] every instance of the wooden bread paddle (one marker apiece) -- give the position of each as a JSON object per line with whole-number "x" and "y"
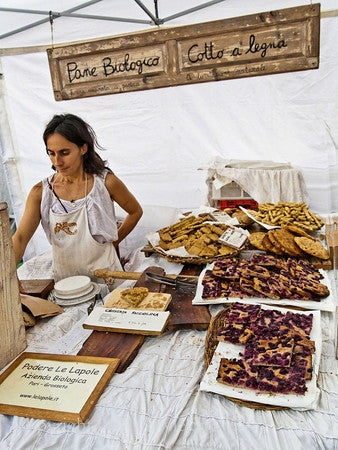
{"x": 120, "y": 274}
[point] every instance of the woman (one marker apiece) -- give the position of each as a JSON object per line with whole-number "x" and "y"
{"x": 76, "y": 204}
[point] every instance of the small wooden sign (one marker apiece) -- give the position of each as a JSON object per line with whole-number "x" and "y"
{"x": 127, "y": 320}
{"x": 63, "y": 388}
{"x": 270, "y": 42}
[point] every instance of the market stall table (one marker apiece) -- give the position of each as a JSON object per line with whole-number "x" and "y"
{"x": 156, "y": 402}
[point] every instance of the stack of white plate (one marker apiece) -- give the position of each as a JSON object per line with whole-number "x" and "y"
{"x": 74, "y": 290}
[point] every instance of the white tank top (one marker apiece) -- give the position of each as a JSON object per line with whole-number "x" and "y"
{"x": 100, "y": 209}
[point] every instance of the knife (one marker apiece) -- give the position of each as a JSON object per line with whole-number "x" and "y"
{"x": 180, "y": 283}
{"x": 98, "y": 297}
{"x": 122, "y": 275}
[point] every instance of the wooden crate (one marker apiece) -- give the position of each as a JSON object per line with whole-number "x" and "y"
{"x": 12, "y": 330}
{"x": 331, "y": 228}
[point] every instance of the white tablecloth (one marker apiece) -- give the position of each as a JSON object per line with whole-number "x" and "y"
{"x": 156, "y": 403}
{"x": 264, "y": 181}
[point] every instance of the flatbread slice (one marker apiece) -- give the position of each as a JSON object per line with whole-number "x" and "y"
{"x": 264, "y": 288}
{"x": 243, "y": 312}
{"x": 284, "y": 380}
{"x": 272, "y": 352}
{"x": 235, "y": 333}
{"x": 237, "y": 372}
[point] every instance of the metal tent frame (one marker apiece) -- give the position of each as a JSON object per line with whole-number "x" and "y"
{"x": 51, "y": 15}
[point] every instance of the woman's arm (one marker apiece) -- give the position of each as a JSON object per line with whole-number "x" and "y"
{"x": 28, "y": 223}
{"x": 123, "y": 197}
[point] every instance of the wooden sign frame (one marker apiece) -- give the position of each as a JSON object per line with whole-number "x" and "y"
{"x": 278, "y": 41}
{"x": 42, "y": 369}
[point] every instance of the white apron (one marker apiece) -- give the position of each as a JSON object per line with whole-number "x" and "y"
{"x": 75, "y": 251}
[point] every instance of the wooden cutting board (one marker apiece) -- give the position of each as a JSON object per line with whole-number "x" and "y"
{"x": 118, "y": 345}
{"x": 183, "y": 314}
{"x": 125, "y": 346}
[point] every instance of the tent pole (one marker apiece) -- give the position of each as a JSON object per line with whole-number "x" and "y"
{"x": 57, "y": 14}
{"x": 8, "y": 156}
{"x": 190, "y": 10}
{"x": 155, "y": 20}
{"x": 39, "y": 22}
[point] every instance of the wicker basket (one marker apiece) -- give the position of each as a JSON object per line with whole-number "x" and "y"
{"x": 216, "y": 324}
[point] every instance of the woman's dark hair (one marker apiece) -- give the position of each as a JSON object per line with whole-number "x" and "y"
{"x": 76, "y": 130}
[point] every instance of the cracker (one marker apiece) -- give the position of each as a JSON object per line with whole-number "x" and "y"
{"x": 218, "y": 229}
{"x": 256, "y": 239}
{"x": 165, "y": 236}
{"x": 163, "y": 244}
{"x": 314, "y": 248}
{"x": 195, "y": 250}
{"x": 226, "y": 250}
{"x": 177, "y": 244}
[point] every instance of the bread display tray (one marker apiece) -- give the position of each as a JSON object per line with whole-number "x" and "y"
{"x": 252, "y": 398}
{"x": 325, "y": 304}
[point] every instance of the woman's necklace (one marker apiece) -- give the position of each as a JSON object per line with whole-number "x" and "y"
{"x": 86, "y": 184}
{"x": 51, "y": 186}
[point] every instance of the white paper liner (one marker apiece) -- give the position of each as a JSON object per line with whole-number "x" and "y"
{"x": 154, "y": 237}
{"x": 296, "y": 401}
{"x": 272, "y": 227}
{"x": 264, "y": 225}
{"x": 325, "y": 304}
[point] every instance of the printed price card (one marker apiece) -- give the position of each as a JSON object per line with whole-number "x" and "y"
{"x": 234, "y": 237}
{"x": 127, "y": 320}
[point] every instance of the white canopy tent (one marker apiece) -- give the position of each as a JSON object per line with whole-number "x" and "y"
{"x": 156, "y": 140}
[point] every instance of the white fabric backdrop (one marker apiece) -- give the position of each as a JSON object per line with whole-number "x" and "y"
{"x": 156, "y": 140}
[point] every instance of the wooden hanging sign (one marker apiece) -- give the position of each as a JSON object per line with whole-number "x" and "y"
{"x": 63, "y": 388}
{"x": 278, "y": 41}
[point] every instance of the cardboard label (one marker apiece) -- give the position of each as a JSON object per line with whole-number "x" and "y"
{"x": 223, "y": 217}
{"x": 127, "y": 320}
{"x": 233, "y": 237}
